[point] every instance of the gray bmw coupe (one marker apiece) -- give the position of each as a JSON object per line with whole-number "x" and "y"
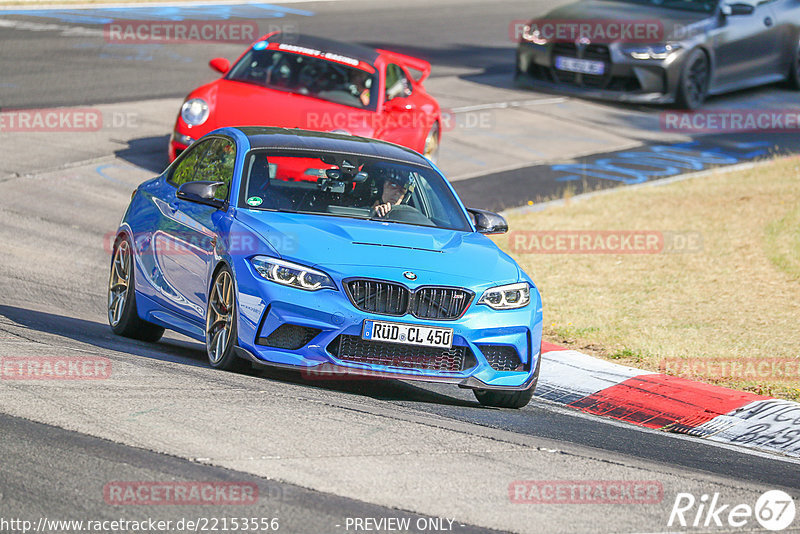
{"x": 661, "y": 51}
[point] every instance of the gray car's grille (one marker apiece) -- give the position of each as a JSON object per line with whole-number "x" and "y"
{"x": 354, "y": 349}
{"x": 592, "y": 52}
{"x": 389, "y": 298}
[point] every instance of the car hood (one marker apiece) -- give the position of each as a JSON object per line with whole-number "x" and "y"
{"x": 243, "y": 104}
{"x": 354, "y": 247}
{"x": 674, "y": 21}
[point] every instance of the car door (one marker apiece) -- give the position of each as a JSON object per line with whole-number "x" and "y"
{"x": 187, "y": 246}
{"x": 404, "y": 120}
{"x": 747, "y": 46}
{"x": 787, "y": 15}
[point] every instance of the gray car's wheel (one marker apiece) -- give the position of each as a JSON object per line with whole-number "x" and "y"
{"x": 694, "y": 82}
{"x": 794, "y": 74}
{"x": 122, "y": 314}
{"x": 221, "y": 332}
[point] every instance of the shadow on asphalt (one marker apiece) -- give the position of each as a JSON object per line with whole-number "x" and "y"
{"x": 378, "y": 389}
{"x": 101, "y": 336}
{"x": 146, "y": 152}
{"x": 460, "y": 55}
{"x": 192, "y": 353}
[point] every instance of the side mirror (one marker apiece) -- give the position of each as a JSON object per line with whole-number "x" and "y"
{"x": 397, "y": 103}
{"x": 201, "y": 193}
{"x": 487, "y": 222}
{"x": 220, "y": 64}
{"x": 737, "y": 9}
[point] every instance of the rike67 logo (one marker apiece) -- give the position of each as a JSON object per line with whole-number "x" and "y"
{"x": 774, "y": 511}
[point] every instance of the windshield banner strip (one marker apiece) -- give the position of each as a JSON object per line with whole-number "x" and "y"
{"x": 330, "y": 56}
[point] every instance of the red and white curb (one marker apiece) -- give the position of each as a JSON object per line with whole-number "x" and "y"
{"x": 668, "y": 403}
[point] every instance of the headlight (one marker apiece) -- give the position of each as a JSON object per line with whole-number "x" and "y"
{"x": 507, "y": 297}
{"x": 533, "y": 35}
{"x": 194, "y": 111}
{"x": 291, "y": 274}
{"x": 659, "y": 51}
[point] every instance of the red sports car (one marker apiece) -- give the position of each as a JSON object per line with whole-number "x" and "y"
{"x": 300, "y": 81}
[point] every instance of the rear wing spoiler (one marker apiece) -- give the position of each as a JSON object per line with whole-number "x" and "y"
{"x": 411, "y": 63}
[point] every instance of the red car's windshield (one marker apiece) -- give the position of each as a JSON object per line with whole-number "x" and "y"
{"x": 311, "y": 76}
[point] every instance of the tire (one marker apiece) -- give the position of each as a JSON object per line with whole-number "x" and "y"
{"x": 221, "y": 331}
{"x": 694, "y": 81}
{"x": 509, "y": 399}
{"x": 503, "y": 399}
{"x": 517, "y": 71}
{"x": 431, "y": 148}
{"x": 794, "y": 73}
{"x": 122, "y": 314}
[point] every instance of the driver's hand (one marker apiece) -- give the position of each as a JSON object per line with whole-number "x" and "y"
{"x": 381, "y": 210}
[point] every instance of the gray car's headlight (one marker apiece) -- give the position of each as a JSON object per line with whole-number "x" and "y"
{"x": 291, "y": 274}
{"x": 507, "y": 297}
{"x": 195, "y": 111}
{"x": 656, "y": 51}
{"x": 533, "y": 35}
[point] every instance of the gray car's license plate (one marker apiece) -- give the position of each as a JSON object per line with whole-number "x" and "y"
{"x": 583, "y": 66}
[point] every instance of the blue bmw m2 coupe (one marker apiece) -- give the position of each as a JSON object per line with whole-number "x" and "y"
{"x": 329, "y": 254}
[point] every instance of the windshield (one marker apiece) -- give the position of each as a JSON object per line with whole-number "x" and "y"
{"x": 304, "y": 74}
{"x": 350, "y": 186}
{"x": 699, "y": 6}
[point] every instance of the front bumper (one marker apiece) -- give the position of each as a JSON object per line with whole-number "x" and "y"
{"x": 332, "y": 371}
{"x": 625, "y": 79}
{"x": 265, "y": 307}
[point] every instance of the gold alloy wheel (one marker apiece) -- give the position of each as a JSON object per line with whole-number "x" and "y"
{"x": 219, "y": 317}
{"x": 119, "y": 283}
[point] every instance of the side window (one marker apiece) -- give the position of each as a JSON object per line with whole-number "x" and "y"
{"x": 216, "y": 165}
{"x": 397, "y": 84}
{"x": 185, "y": 170}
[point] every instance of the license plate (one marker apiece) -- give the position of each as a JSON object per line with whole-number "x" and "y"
{"x": 583, "y": 66}
{"x": 426, "y": 336}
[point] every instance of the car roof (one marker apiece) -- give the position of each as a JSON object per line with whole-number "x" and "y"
{"x": 262, "y": 137}
{"x": 361, "y": 53}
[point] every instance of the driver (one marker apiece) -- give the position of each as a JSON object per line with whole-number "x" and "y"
{"x": 358, "y": 85}
{"x": 396, "y": 187}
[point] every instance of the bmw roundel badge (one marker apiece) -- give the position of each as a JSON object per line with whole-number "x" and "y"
{"x": 410, "y": 275}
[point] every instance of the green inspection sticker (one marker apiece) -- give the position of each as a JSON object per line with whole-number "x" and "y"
{"x": 254, "y": 201}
